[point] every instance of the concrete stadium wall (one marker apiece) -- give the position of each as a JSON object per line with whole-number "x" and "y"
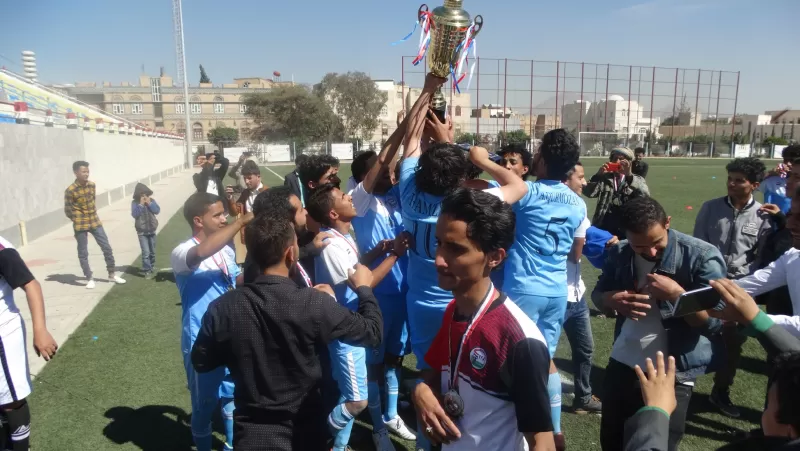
{"x": 36, "y": 168}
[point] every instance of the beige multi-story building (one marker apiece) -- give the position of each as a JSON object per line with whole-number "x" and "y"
{"x": 158, "y": 104}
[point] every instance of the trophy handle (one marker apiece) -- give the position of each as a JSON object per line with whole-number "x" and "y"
{"x": 478, "y": 25}
{"x": 422, "y": 9}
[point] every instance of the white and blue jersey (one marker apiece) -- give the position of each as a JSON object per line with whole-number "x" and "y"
{"x": 198, "y": 287}
{"x": 774, "y": 189}
{"x": 348, "y": 362}
{"x": 547, "y": 218}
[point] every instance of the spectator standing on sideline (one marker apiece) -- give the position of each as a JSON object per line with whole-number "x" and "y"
{"x": 736, "y": 225}
{"x": 774, "y": 186}
{"x": 272, "y": 333}
{"x": 251, "y": 174}
{"x": 15, "y": 381}
{"x": 614, "y": 185}
{"x": 655, "y": 263}
{"x": 144, "y": 210}
{"x": 81, "y": 209}
{"x": 209, "y": 179}
{"x": 640, "y": 167}
{"x": 237, "y": 169}
{"x": 292, "y": 179}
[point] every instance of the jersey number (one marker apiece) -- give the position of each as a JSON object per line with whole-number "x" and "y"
{"x": 551, "y": 237}
{"x": 422, "y": 240}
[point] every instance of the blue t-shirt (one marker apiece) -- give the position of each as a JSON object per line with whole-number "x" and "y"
{"x": 198, "y": 287}
{"x": 420, "y": 213}
{"x": 547, "y": 217}
{"x": 379, "y": 219}
{"x": 774, "y": 189}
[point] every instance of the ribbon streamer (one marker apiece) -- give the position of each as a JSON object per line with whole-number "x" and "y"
{"x": 457, "y": 70}
{"x": 425, "y": 36}
{"x": 408, "y": 36}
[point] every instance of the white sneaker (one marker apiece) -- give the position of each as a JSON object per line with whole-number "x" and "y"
{"x": 117, "y": 279}
{"x": 90, "y": 284}
{"x": 382, "y": 441}
{"x": 398, "y": 426}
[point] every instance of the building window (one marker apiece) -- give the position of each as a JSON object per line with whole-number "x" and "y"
{"x": 197, "y": 131}
{"x": 384, "y": 111}
{"x": 458, "y": 110}
{"x": 196, "y": 106}
{"x": 117, "y": 107}
{"x": 242, "y": 108}
{"x": 180, "y": 107}
{"x": 182, "y": 129}
{"x": 219, "y": 106}
{"x": 155, "y": 89}
{"x": 136, "y": 105}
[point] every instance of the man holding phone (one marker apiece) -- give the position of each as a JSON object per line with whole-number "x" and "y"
{"x": 614, "y": 185}
{"x": 665, "y": 263}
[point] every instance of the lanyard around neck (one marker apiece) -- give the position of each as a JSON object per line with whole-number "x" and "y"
{"x": 473, "y": 323}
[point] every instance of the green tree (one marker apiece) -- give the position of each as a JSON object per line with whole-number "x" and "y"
{"x": 355, "y": 98}
{"x": 203, "y": 76}
{"x": 513, "y": 137}
{"x": 292, "y": 113}
{"x": 738, "y": 138}
{"x": 776, "y": 140}
{"x": 696, "y": 139}
{"x": 470, "y": 138}
{"x": 223, "y": 137}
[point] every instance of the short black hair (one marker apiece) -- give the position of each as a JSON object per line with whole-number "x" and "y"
{"x": 250, "y": 168}
{"x": 442, "y": 169}
{"x": 275, "y": 202}
{"x": 197, "y": 204}
{"x": 316, "y": 166}
{"x": 78, "y": 164}
{"x": 266, "y": 238}
{"x": 359, "y": 167}
{"x": 786, "y": 373}
{"x": 560, "y": 151}
{"x": 524, "y": 153}
{"x": 491, "y": 223}
{"x": 300, "y": 159}
{"x": 639, "y": 150}
{"x": 572, "y": 171}
{"x": 752, "y": 168}
{"x": 320, "y": 204}
{"x": 639, "y": 214}
{"x": 791, "y": 153}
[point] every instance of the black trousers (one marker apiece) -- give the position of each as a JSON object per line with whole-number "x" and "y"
{"x": 622, "y": 397}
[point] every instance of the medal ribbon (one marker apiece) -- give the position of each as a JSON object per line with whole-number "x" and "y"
{"x": 426, "y": 22}
{"x": 352, "y": 245}
{"x": 222, "y": 266}
{"x": 473, "y": 322}
{"x": 304, "y": 274}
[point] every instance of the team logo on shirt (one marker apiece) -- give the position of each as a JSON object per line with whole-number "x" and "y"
{"x": 478, "y": 358}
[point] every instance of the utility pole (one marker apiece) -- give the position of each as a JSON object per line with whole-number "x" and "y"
{"x": 177, "y": 21}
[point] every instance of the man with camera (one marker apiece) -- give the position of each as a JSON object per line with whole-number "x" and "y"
{"x": 209, "y": 179}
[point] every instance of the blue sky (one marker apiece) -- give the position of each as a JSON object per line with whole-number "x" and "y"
{"x": 94, "y": 40}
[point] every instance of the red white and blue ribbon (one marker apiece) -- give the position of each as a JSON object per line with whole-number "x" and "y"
{"x": 469, "y": 44}
{"x": 426, "y": 23}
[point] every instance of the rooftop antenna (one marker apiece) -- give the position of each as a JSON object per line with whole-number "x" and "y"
{"x": 177, "y": 24}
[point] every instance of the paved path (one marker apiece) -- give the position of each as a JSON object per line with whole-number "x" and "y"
{"x": 53, "y": 259}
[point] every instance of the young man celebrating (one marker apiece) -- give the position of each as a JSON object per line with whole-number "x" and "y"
{"x": 334, "y": 211}
{"x": 774, "y": 186}
{"x": 80, "y": 208}
{"x": 205, "y": 268}
{"x": 209, "y": 179}
{"x": 517, "y": 159}
{"x": 736, "y": 226}
{"x": 639, "y": 166}
{"x": 383, "y": 244}
{"x": 15, "y": 382}
{"x": 251, "y": 179}
{"x": 271, "y": 334}
{"x": 486, "y": 388}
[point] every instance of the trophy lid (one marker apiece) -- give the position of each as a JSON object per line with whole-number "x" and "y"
{"x": 452, "y": 14}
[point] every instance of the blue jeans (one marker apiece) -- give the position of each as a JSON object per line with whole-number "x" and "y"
{"x": 83, "y": 250}
{"x": 578, "y": 329}
{"x": 148, "y": 245}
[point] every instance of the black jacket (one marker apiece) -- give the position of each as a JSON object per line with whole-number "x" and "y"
{"x": 778, "y": 301}
{"x": 201, "y": 179}
{"x": 269, "y": 334}
{"x": 293, "y": 181}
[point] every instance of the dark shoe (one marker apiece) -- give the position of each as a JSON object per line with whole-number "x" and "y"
{"x": 593, "y": 406}
{"x": 561, "y": 442}
{"x": 721, "y": 399}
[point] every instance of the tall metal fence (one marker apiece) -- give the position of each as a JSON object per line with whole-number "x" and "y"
{"x": 670, "y": 111}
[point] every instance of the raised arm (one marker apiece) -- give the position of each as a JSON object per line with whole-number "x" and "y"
{"x": 512, "y": 186}
{"x": 216, "y": 242}
{"x": 416, "y": 118}
{"x": 388, "y": 156}
{"x": 223, "y": 168}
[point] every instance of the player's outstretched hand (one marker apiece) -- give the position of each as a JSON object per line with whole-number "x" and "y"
{"x": 433, "y": 420}
{"x": 739, "y": 306}
{"x": 360, "y": 276}
{"x": 402, "y": 242}
{"x": 772, "y": 209}
{"x": 320, "y": 241}
{"x": 44, "y": 344}
{"x": 658, "y": 386}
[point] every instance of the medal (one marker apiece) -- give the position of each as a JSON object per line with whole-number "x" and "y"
{"x": 453, "y": 402}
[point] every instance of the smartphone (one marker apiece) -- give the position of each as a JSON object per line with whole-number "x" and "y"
{"x": 698, "y": 300}
{"x": 613, "y": 167}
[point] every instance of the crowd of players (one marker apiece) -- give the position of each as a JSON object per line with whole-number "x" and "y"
{"x": 306, "y": 325}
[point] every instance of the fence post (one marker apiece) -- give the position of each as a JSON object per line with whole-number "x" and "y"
{"x": 711, "y": 150}
{"x": 691, "y": 149}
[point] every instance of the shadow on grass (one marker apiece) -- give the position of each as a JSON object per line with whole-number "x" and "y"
{"x": 151, "y": 428}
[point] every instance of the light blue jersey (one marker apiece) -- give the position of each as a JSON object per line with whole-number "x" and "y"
{"x": 774, "y": 189}
{"x": 547, "y": 218}
{"x": 332, "y": 267}
{"x": 379, "y": 219}
{"x": 420, "y": 214}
